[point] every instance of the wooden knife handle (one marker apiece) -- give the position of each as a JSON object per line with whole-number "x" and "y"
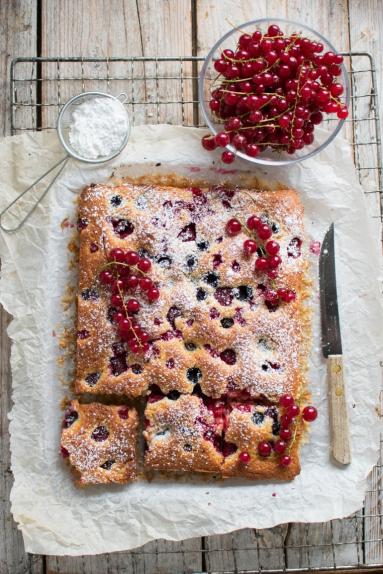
{"x": 340, "y": 435}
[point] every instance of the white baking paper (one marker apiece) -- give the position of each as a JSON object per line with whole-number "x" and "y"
{"x": 54, "y": 516}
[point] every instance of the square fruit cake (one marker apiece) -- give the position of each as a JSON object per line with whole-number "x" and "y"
{"x": 193, "y": 298}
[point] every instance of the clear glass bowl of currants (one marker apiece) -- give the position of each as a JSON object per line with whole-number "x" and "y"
{"x": 265, "y": 87}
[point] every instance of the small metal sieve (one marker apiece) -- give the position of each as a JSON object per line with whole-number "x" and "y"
{"x": 63, "y": 129}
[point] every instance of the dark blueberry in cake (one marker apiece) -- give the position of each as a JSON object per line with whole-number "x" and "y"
{"x": 194, "y": 375}
{"x": 265, "y": 367}
{"x": 82, "y": 223}
{"x": 258, "y": 418}
{"x": 142, "y": 252}
{"x": 116, "y": 200}
{"x": 203, "y": 245}
{"x": 190, "y": 346}
{"x": 89, "y": 294}
{"x": 173, "y": 395}
{"x": 211, "y": 278}
{"x": 271, "y": 306}
{"x": 224, "y": 296}
{"x": 272, "y": 412}
{"x": 69, "y": 418}
{"x": 197, "y": 390}
{"x": 137, "y": 369}
{"x": 244, "y": 293}
{"x": 294, "y": 248}
{"x": 188, "y": 233}
{"x": 235, "y": 266}
{"x": 118, "y": 349}
{"x": 92, "y": 379}
{"x": 122, "y": 227}
{"x": 201, "y": 294}
{"x": 191, "y": 262}
{"x": 164, "y": 261}
{"x": 118, "y": 365}
{"x": 227, "y": 322}
{"x": 276, "y": 428}
{"x": 107, "y": 465}
{"x": 83, "y": 334}
{"x": 228, "y": 356}
{"x": 274, "y": 227}
{"x": 188, "y": 447}
{"x": 93, "y": 247}
{"x": 228, "y": 448}
{"x": 111, "y": 313}
{"x": 172, "y": 314}
{"x": 100, "y": 434}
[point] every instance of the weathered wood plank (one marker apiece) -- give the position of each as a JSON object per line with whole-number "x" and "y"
{"x": 126, "y": 29}
{"x": 17, "y": 37}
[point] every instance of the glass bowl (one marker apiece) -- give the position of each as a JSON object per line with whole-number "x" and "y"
{"x": 209, "y": 79}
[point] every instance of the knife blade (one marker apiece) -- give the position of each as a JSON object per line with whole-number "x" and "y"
{"x": 332, "y": 351}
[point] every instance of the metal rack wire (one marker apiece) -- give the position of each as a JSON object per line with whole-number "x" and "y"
{"x": 164, "y": 90}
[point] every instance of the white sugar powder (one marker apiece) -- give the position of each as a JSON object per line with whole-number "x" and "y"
{"x": 98, "y": 128}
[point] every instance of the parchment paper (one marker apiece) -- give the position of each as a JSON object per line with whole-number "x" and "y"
{"x": 57, "y": 518}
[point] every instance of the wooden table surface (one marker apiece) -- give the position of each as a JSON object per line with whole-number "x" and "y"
{"x": 170, "y": 28}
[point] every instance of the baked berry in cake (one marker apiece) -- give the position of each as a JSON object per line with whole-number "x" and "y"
{"x": 190, "y": 286}
{"x": 99, "y": 442}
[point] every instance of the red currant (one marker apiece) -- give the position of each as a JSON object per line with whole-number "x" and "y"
{"x": 132, "y": 257}
{"x": 220, "y": 65}
{"x": 116, "y": 301}
{"x": 309, "y": 414}
{"x": 249, "y": 247}
{"x": 285, "y": 434}
{"x": 106, "y": 277}
{"x": 342, "y": 113}
{"x": 264, "y": 448}
{"x": 134, "y": 345}
{"x": 272, "y": 247}
{"x": 233, "y": 227}
{"x": 153, "y": 294}
{"x": 144, "y": 265}
{"x": 286, "y": 400}
{"x": 222, "y": 139}
{"x": 131, "y": 282}
{"x": 227, "y": 156}
{"x": 208, "y": 143}
{"x": 285, "y": 460}
{"x": 145, "y": 283}
{"x": 244, "y": 457}
{"x": 261, "y": 264}
{"x": 133, "y": 306}
{"x": 117, "y": 255}
{"x": 280, "y": 446}
{"x": 264, "y": 231}
{"x": 274, "y": 261}
{"x": 293, "y": 411}
{"x": 253, "y": 222}
{"x": 285, "y": 421}
{"x": 252, "y": 150}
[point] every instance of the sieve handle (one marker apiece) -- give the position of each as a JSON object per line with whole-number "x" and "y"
{"x": 62, "y": 161}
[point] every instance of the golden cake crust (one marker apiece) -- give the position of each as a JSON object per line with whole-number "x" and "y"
{"x": 100, "y": 442}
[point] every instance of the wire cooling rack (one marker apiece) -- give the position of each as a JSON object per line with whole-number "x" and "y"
{"x": 164, "y": 90}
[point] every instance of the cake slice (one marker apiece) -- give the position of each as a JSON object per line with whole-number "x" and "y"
{"x": 99, "y": 442}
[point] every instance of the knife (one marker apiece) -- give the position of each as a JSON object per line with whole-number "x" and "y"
{"x": 332, "y": 351}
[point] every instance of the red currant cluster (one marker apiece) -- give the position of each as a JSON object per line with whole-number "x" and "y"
{"x": 268, "y": 259}
{"x": 126, "y": 272}
{"x": 290, "y": 411}
{"x": 274, "y": 89}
